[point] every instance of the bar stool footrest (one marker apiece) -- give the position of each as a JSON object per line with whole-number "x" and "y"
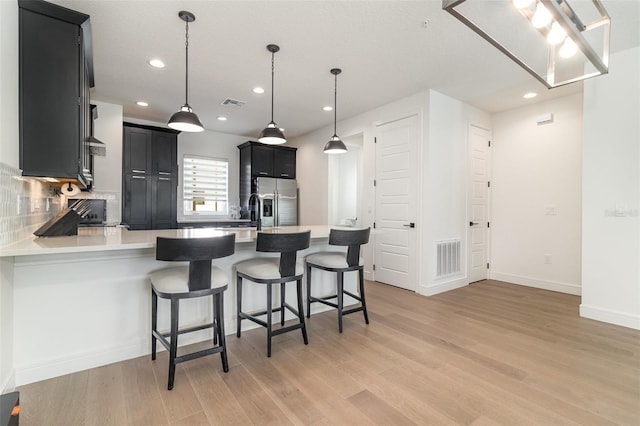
{"x": 198, "y": 354}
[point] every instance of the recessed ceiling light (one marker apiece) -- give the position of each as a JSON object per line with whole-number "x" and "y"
{"x": 258, "y": 90}
{"x": 530, "y": 95}
{"x": 327, "y": 108}
{"x": 156, "y": 63}
{"x": 142, "y": 103}
{"x": 222, "y": 118}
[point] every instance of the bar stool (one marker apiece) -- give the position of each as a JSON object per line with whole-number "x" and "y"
{"x": 340, "y": 262}
{"x": 275, "y": 270}
{"x": 198, "y": 279}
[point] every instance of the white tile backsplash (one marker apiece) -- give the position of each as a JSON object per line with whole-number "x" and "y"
{"x": 26, "y": 203}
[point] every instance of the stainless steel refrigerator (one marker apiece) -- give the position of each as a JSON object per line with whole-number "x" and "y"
{"x": 278, "y": 201}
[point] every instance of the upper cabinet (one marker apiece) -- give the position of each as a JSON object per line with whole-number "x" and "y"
{"x": 56, "y": 72}
{"x": 260, "y": 160}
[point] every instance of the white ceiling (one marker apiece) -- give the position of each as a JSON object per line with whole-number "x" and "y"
{"x": 385, "y": 49}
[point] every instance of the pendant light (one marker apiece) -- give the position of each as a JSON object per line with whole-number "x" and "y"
{"x": 186, "y": 120}
{"x": 335, "y": 145}
{"x": 272, "y": 135}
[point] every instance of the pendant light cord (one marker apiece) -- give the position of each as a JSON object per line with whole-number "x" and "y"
{"x": 186, "y": 63}
{"x": 273, "y": 54}
{"x": 335, "y": 105}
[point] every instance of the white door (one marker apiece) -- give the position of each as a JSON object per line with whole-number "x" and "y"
{"x": 478, "y": 203}
{"x": 396, "y": 190}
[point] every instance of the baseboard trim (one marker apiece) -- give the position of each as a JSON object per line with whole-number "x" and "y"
{"x": 609, "y": 316}
{"x": 432, "y": 290}
{"x": 560, "y": 287}
{"x": 35, "y": 372}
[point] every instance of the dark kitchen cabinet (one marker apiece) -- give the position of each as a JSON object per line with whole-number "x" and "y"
{"x": 150, "y": 177}
{"x": 260, "y": 160}
{"x": 284, "y": 163}
{"x": 56, "y": 72}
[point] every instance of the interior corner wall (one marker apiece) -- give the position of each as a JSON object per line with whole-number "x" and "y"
{"x": 611, "y": 193}
{"x": 536, "y": 196}
{"x": 108, "y": 169}
{"x": 445, "y": 179}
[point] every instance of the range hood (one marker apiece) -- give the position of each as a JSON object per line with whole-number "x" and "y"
{"x": 96, "y": 146}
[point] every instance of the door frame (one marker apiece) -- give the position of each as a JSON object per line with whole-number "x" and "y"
{"x": 487, "y": 247}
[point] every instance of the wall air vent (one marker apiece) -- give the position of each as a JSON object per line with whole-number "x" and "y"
{"x": 233, "y": 102}
{"x": 448, "y": 257}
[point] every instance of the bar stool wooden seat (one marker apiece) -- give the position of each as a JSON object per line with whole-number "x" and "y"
{"x": 275, "y": 270}
{"x": 340, "y": 262}
{"x": 198, "y": 279}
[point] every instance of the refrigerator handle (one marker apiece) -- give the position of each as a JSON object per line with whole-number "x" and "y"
{"x": 276, "y": 200}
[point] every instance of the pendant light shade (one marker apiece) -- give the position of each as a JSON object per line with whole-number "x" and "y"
{"x": 335, "y": 145}
{"x": 272, "y": 134}
{"x": 186, "y": 120}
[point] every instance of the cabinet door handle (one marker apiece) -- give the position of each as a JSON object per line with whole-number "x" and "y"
{"x": 164, "y": 173}
{"x": 284, "y": 174}
{"x": 138, "y": 171}
{"x": 263, "y": 173}
{"x": 161, "y": 178}
{"x": 138, "y": 177}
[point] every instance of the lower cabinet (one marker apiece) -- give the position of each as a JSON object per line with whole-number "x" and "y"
{"x": 150, "y": 202}
{"x": 136, "y": 201}
{"x": 163, "y": 202}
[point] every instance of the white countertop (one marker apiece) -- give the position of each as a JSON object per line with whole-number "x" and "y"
{"x": 112, "y": 238}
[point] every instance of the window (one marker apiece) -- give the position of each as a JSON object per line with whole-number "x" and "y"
{"x": 205, "y": 186}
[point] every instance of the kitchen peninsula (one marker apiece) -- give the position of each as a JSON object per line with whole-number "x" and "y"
{"x": 84, "y": 301}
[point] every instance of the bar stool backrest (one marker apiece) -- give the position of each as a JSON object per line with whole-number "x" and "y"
{"x": 287, "y": 245}
{"x": 198, "y": 252}
{"x": 353, "y": 239}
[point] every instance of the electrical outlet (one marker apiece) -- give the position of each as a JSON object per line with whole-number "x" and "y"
{"x": 47, "y": 205}
{"x": 547, "y": 259}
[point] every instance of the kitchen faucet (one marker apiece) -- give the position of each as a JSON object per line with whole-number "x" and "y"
{"x": 259, "y": 220}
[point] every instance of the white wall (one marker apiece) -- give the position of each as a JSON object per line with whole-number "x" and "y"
{"x": 611, "y": 193}
{"x": 444, "y": 182}
{"x": 537, "y": 169}
{"x": 215, "y": 145}
{"x": 8, "y": 155}
{"x": 108, "y": 169}
{"x": 442, "y": 150}
{"x": 312, "y": 164}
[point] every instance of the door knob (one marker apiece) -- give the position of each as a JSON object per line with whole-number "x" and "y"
{"x": 410, "y": 225}
{"x": 473, "y": 223}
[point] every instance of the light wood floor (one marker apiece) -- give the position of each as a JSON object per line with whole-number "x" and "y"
{"x": 490, "y": 353}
